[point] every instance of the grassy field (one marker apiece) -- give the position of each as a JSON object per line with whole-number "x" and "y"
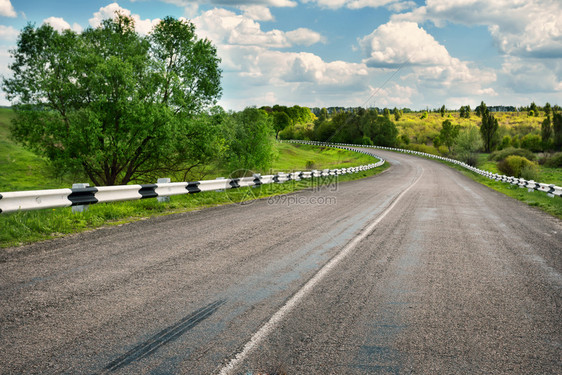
{"x": 22, "y": 170}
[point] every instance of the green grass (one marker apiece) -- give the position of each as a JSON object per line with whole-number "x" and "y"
{"x": 23, "y": 227}
{"x": 295, "y": 157}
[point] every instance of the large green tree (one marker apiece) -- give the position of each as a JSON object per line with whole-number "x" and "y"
{"x": 114, "y": 104}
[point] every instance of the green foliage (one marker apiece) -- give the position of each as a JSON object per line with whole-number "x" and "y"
{"x": 481, "y": 109}
{"x": 554, "y": 161}
{"x": 515, "y": 142}
{"x": 442, "y": 111}
{"x": 532, "y": 142}
{"x": 530, "y": 172}
{"x": 111, "y": 103}
{"x": 502, "y": 154}
{"x": 489, "y": 130}
{"x": 404, "y": 139}
{"x": 397, "y": 114}
{"x": 423, "y": 148}
{"x": 356, "y": 127}
{"x": 546, "y": 131}
{"x": 533, "y": 110}
{"x": 424, "y": 115}
{"x": 506, "y": 142}
{"x": 250, "y": 139}
{"x": 464, "y": 112}
{"x": 281, "y": 120}
{"x": 513, "y": 165}
{"x": 467, "y": 144}
{"x": 557, "y": 130}
{"x": 449, "y": 133}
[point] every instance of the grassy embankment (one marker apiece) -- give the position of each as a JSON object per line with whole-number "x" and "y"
{"x": 22, "y": 170}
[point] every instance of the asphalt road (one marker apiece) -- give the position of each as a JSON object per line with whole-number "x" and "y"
{"x": 416, "y": 270}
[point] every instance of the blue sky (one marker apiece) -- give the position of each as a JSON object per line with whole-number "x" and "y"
{"x": 321, "y": 53}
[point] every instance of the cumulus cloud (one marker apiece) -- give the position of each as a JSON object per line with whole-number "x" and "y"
{"x": 531, "y": 28}
{"x": 6, "y": 9}
{"x": 405, "y": 44}
{"x": 60, "y": 24}
{"x": 257, "y": 12}
{"x": 304, "y": 37}
{"x": 8, "y": 33}
{"x": 396, "y": 43}
{"x": 351, "y": 4}
{"x": 226, "y": 27}
{"x": 401, "y": 6}
{"x": 271, "y": 3}
{"x": 141, "y": 26}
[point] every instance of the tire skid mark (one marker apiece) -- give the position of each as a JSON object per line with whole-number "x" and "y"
{"x": 164, "y": 337}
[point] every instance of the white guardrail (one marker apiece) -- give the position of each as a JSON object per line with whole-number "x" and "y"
{"x": 550, "y": 189}
{"x": 52, "y": 198}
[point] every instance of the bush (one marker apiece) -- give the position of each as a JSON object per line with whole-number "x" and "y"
{"x": 530, "y": 172}
{"x": 502, "y": 154}
{"x": 554, "y": 161}
{"x": 287, "y": 133}
{"x": 514, "y": 165}
{"x": 532, "y": 142}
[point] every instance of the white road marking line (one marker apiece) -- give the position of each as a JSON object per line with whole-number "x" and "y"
{"x": 268, "y": 327}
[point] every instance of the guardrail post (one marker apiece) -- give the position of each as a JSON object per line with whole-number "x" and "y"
{"x": 81, "y": 207}
{"x": 164, "y": 198}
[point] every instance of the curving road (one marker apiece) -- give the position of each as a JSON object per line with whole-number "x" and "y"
{"x": 417, "y": 270}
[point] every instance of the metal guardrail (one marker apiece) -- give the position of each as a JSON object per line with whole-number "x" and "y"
{"x": 52, "y": 198}
{"x": 550, "y": 189}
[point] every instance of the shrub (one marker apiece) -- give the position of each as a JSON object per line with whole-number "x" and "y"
{"x": 532, "y": 142}
{"x": 310, "y": 164}
{"x": 555, "y": 161}
{"x": 514, "y": 165}
{"x": 502, "y": 154}
{"x": 530, "y": 172}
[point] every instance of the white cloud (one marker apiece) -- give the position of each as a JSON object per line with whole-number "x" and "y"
{"x": 60, "y": 24}
{"x": 396, "y": 43}
{"x": 351, "y": 4}
{"x": 6, "y": 9}
{"x": 257, "y": 12}
{"x": 271, "y": 3}
{"x": 519, "y": 27}
{"x": 8, "y": 33}
{"x": 141, "y": 26}
{"x": 224, "y": 26}
{"x": 304, "y": 37}
{"x": 401, "y": 6}
{"x": 405, "y": 44}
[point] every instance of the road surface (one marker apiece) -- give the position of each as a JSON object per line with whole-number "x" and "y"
{"x": 416, "y": 270}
